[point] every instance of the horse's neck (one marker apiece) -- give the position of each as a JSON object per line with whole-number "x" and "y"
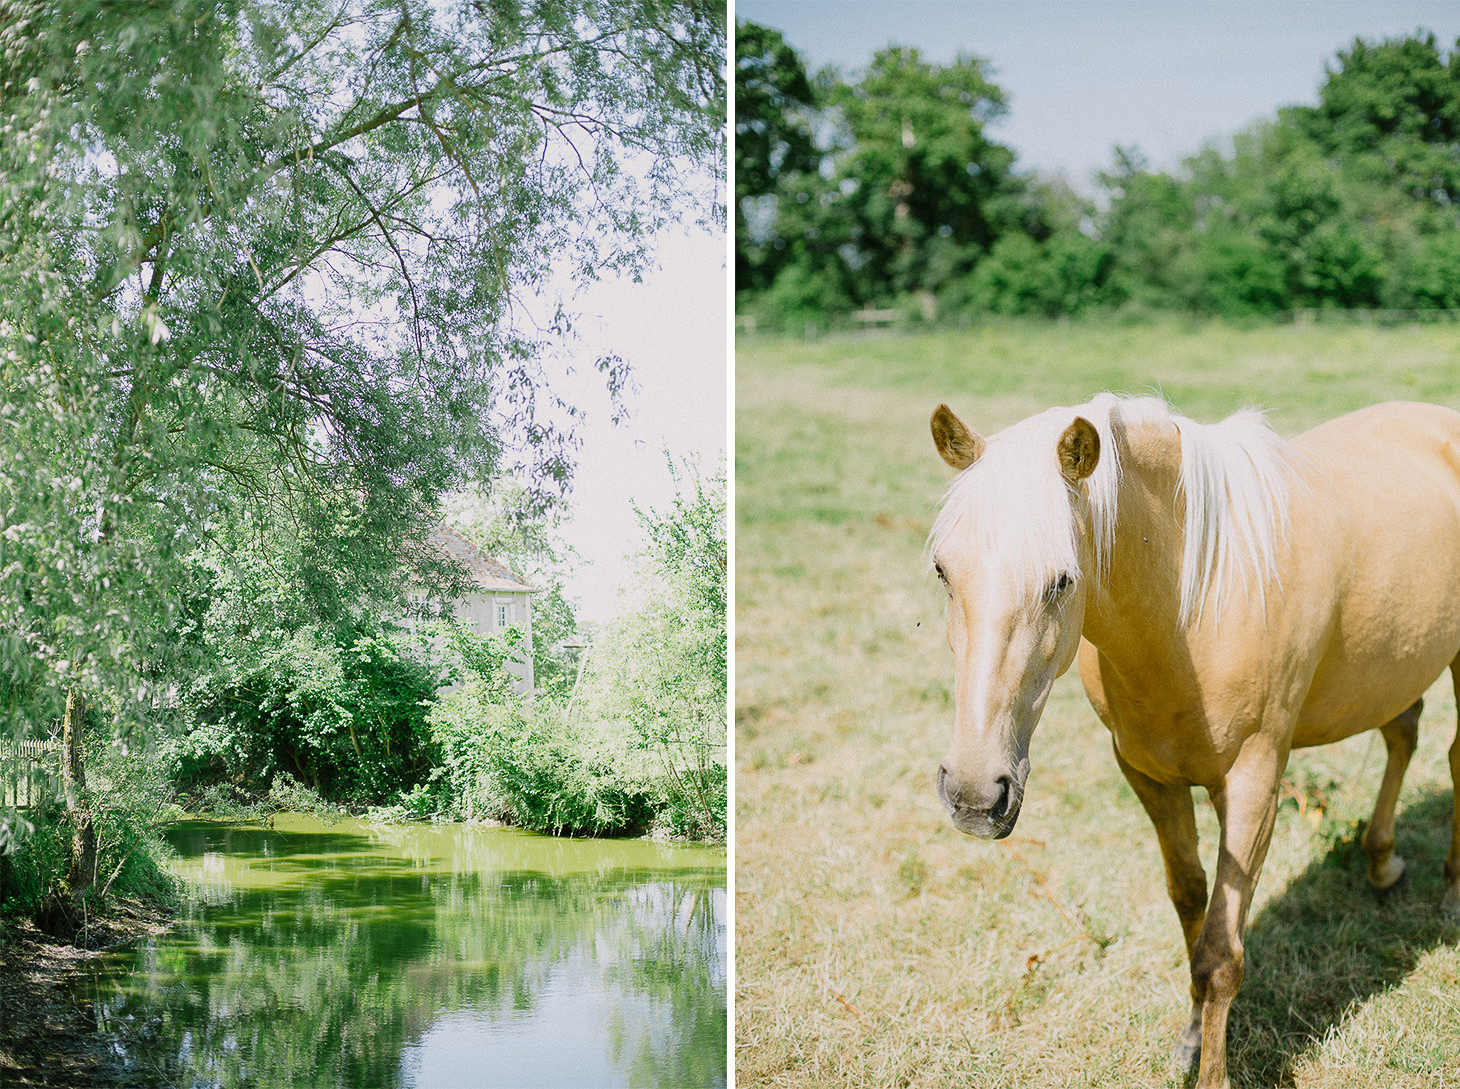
{"x": 1139, "y": 599}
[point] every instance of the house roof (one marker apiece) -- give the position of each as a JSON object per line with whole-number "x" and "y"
{"x": 485, "y": 571}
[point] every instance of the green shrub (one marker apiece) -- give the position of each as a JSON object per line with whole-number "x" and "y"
{"x": 520, "y": 762}
{"x": 130, "y": 802}
{"x": 1064, "y": 275}
{"x": 695, "y": 804}
{"x": 342, "y": 711}
{"x": 34, "y": 862}
{"x": 423, "y": 802}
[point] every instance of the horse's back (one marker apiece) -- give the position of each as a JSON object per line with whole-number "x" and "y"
{"x": 1395, "y": 425}
{"x": 1377, "y": 477}
{"x": 1376, "y": 561}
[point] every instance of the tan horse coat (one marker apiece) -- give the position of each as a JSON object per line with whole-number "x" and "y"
{"x": 1358, "y": 614}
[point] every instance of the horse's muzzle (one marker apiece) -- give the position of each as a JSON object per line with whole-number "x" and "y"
{"x": 990, "y": 813}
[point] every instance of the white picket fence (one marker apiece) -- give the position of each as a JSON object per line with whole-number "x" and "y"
{"x": 27, "y": 769}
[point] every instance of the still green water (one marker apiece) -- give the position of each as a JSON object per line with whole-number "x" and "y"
{"x": 427, "y": 957}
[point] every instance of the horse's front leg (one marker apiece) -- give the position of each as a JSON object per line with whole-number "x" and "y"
{"x": 1172, "y": 812}
{"x": 1246, "y": 804}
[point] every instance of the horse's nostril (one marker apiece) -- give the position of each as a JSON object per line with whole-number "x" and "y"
{"x": 1001, "y": 805}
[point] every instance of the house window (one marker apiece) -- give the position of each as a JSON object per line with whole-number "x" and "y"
{"x": 501, "y": 617}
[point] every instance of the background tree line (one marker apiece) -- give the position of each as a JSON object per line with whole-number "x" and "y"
{"x": 882, "y": 188}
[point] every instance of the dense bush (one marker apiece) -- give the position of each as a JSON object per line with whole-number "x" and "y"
{"x": 40, "y": 855}
{"x": 129, "y": 799}
{"x": 657, "y": 677}
{"x": 341, "y": 710}
{"x": 640, "y": 746}
{"x": 1064, "y": 275}
{"x": 525, "y": 764}
{"x": 356, "y": 713}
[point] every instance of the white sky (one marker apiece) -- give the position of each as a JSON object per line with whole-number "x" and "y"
{"x": 1084, "y": 75}
{"x": 671, "y": 328}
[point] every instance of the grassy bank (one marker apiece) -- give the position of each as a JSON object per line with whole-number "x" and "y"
{"x": 875, "y": 945}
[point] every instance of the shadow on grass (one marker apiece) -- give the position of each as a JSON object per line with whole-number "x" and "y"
{"x": 1325, "y": 946}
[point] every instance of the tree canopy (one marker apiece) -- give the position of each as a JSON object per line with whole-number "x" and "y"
{"x": 908, "y": 191}
{"x": 305, "y": 264}
{"x": 774, "y": 103}
{"x": 661, "y": 670}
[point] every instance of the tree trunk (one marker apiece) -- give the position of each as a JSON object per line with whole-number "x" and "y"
{"x": 62, "y": 912}
{"x": 73, "y": 780}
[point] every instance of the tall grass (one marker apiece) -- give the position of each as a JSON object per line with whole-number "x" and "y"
{"x": 878, "y": 947}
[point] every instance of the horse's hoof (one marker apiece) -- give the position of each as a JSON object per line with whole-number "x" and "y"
{"x": 1398, "y": 887}
{"x": 1185, "y": 1061}
{"x": 1450, "y": 905}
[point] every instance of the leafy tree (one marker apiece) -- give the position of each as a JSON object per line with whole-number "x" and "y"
{"x": 921, "y": 176}
{"x": 342, "y": 711}
{"x": 1237, "y": 273}
{"x": 908, "y": 195}
{"x": 774, "y": 107}
{"x": 1063, "y": 275}
{"x": 1148, "y": 227}
{"x": 686, "y": 548}
{"x": 1349, "y": 202}
{"x": 303, "y": 253}
{"x": 661, "y": 669}
{"x": 1392, "y": 110}
{"x": 1430, "y": 268}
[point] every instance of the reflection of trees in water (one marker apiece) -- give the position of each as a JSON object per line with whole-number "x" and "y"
{"x": 326, "y": 984}
{"x": 679, "y": 959}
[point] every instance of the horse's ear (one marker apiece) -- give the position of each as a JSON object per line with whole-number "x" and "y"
{"x": 1079, "y": 450}
{"x": 959, "y": 446}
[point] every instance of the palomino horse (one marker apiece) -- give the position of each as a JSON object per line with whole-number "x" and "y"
{"x": 1230, "y": 596}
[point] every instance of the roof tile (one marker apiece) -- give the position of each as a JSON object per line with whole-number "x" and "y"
{"x": 485, "y": 571}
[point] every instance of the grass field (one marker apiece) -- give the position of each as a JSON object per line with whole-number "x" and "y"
{"x": 875, "y": 946}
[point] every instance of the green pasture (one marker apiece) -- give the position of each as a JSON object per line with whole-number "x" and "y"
{"x": 875, "y": 946}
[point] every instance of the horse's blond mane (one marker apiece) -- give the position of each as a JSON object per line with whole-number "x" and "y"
{"x": 1235, "y": 478}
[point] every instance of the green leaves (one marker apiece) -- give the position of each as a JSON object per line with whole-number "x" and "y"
{"x": 282, "y": 266}
{"x": 342, "y": 711}
{"x": 904, "y": 195}
{"x": 1334, "y": 205}
{"x": 660, "y": 672}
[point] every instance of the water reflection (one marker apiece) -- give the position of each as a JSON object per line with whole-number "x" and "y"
{"x": 429, "y": 958}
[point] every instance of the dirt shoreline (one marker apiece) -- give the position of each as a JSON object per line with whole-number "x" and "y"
{"x": 47, "y": 1041}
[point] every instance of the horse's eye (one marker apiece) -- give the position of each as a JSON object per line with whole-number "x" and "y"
{"x": 1058, "y": 587}
{"x": 942, "y": 575}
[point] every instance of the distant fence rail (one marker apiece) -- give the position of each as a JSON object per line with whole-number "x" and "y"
{"x": 26, "y": 770}
{"x": 866, "y": 320}
{"x": 1367, "y": 316}
{"x": 872, "y": 319}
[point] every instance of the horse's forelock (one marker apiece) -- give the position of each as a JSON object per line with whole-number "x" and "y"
{"x": 1017, "y": 505}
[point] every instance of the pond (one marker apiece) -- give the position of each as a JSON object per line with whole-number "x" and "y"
{"x": 366, "y": 956}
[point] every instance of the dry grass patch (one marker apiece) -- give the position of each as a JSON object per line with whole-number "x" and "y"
{"x": 877, "y": 947}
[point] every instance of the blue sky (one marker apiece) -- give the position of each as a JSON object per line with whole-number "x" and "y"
{"x": 1166, "y": 76}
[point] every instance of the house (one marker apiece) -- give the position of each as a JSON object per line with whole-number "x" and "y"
{"x": 501, "y": 600}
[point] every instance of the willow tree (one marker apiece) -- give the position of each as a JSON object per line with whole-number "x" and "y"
{"x": 304, "y": 257}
